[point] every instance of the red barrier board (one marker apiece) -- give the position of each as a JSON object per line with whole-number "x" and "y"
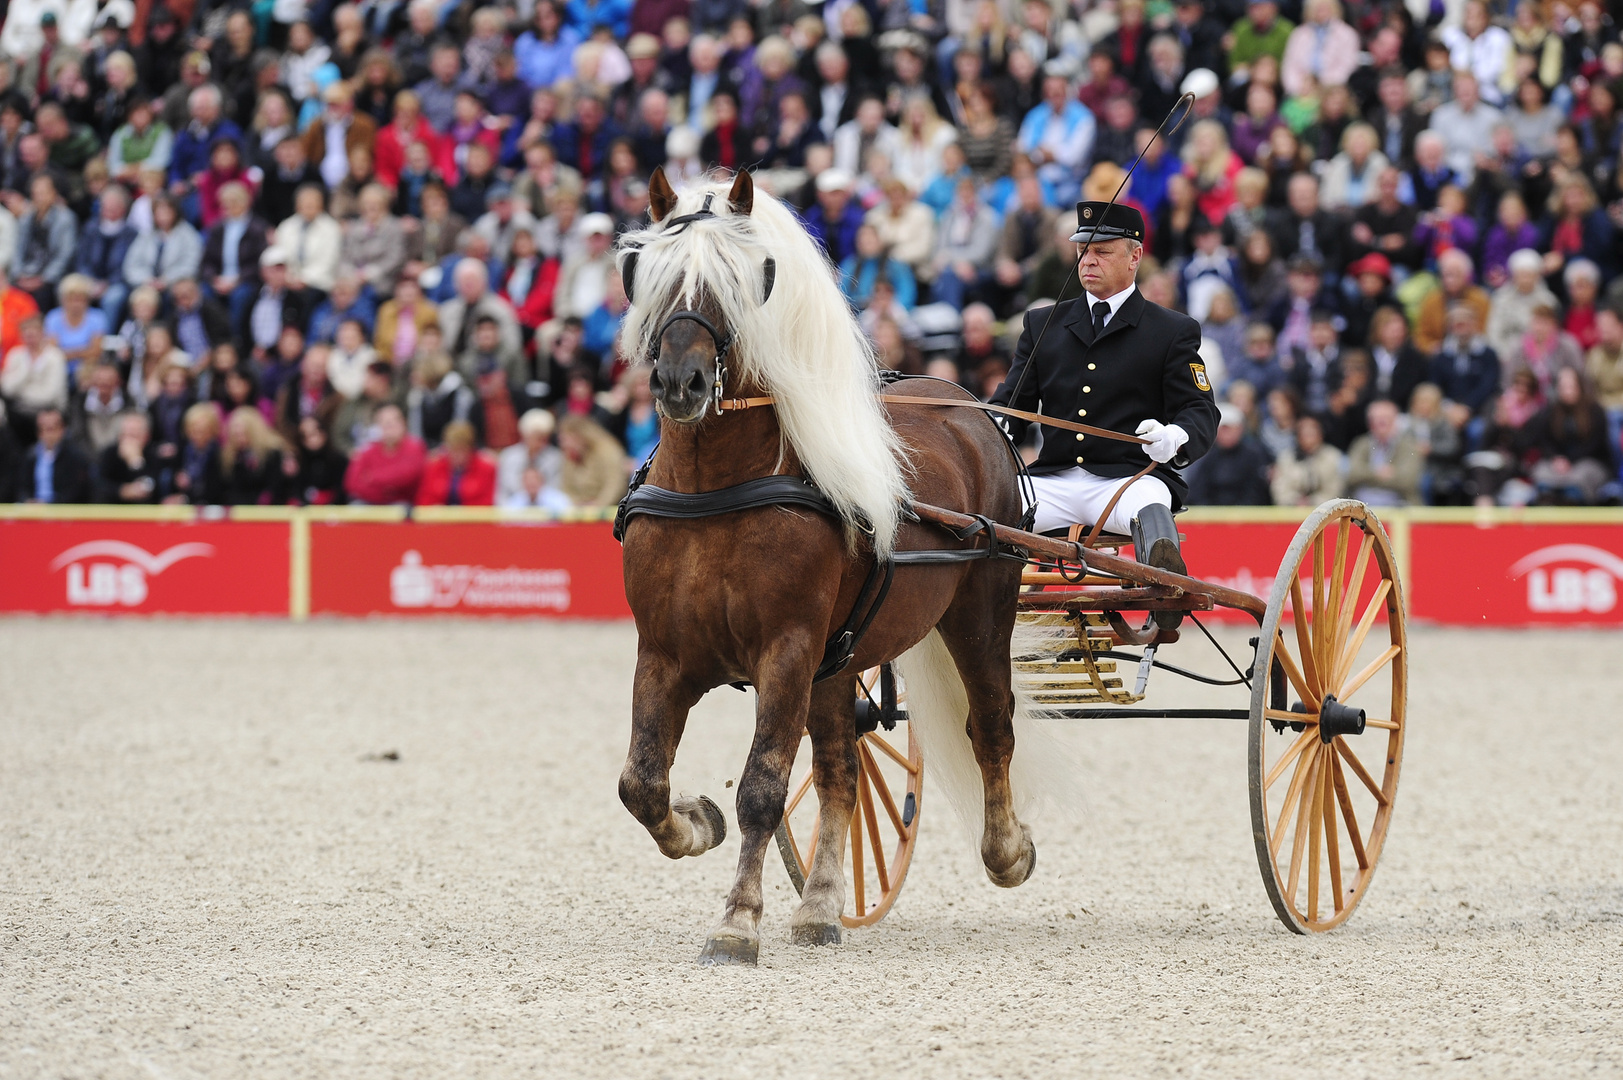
{"x": 1516, "y": 575}
{"x": 466, "y": 569}
{"x": 145, "y": 567}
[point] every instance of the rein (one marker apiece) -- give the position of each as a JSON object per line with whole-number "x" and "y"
{"x": 738, "y": 404}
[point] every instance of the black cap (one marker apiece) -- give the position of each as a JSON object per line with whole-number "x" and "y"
{"x": 1101, "y": 221}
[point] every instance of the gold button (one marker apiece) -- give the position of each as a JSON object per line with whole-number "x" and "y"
{"x": 1079, "y": 438}
{"x": 1087, "y": 389}
{"x": 1081, "y": 412}
{"x": 1079, "y": 461}
{"x": 1092, "y": 366}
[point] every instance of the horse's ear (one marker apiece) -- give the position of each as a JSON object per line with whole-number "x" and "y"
{"x": 661, "y": 196}
{"x": 743, "y": 194}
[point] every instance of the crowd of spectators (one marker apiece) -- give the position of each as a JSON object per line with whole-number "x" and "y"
{"x": 317, "y": 252}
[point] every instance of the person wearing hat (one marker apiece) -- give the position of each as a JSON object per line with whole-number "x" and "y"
{"x": 643, "y": 52}
{"x": 583, "y": 279}
{"x": 834, "y": 220}
{"x": 274, "y": 306}
{"x": 1111, "y": 359}
{"x": 1235, "y": 473}
{"x": 1373, "y": 276}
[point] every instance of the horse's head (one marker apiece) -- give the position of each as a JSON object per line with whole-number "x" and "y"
{"x": 691, "y": 346}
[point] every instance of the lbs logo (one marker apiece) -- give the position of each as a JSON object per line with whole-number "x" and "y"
{"x": 112, "y": 573}
{"x": 1585, "y": 583}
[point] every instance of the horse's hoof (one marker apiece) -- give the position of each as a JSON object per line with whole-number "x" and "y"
{"x": 729, "y": 951}
{"x": 816, "y": 934}
{"x": 1015, "y": 876}
{"x": 710, "y": 827}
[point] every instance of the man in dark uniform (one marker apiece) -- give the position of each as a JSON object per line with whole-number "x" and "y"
{"x": 1114, "y": 360}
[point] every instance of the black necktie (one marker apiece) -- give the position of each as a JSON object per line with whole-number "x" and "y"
{"x": 1101, "y": 312}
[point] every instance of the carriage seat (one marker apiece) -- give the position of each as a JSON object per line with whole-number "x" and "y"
{"x": 1078, "y": 533}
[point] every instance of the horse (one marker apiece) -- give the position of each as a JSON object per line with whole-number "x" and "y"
{"x": 760, "y": 369}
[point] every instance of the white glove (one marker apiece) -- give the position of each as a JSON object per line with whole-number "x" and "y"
{"x": 1164, "y": 440}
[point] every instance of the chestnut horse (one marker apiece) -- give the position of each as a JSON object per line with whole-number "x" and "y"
{"x": 731, "y": 298}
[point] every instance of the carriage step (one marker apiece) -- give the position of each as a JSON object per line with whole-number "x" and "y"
{"x": 1062, "y": 667}
{"x": 1060, "y": 689}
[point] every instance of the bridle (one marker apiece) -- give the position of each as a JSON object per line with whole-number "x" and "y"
{"x": 723, "y": 342}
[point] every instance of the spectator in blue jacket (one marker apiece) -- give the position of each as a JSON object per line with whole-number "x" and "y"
{"x": 190, "y": 158}
{"x": 584, "y": 144}
{"x": 102, "y": 246}
{"x": 585, "y": 16}
{"x": 866, "y": 266}
{"x": 834, "y": 219}
{"x": 546, "y": 52}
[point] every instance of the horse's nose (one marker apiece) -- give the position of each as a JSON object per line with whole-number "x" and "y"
{"x": 656, "y": 385}
{"x": 696, "y": 385}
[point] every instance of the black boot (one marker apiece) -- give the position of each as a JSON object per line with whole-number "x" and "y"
{"x": 1155, "y": 543}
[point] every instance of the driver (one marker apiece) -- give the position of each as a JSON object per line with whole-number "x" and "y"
{"x": 1114, "y": 360}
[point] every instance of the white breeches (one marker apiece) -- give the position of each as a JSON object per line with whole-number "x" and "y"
{"x": 1077, "y": 497}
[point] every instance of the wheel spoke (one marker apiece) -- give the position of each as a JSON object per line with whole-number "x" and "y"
{"x": 1358, "y": 767}
{"x": 1285, "y": 759}
{"x": 882, "y": 787}
{"x": 1314, "y": 808}
{"x": 1304, "y": 766}
{"x": 1349, "y": 600}
{"x": 1304, "y": 638}
{"x": 1332, "y": 845}
{"x": 1345, "y": 798}
{"x": 1282, "y": 654}
{"x": 1370, "y": 721}
{"x": 875, "y": 846}
{"x": 1303, "y": 801}
{"x": 858, "y": 872}
{"x": 897, "y": 756}
{"x": 794, "y": 800}
{"x": 1350, "y": 652}
{"x": 1364, "y": 676}
{"x": 1330, "y": 619}
{"x": 1291, "y": 717}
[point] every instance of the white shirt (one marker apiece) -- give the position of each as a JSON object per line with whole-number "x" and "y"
{"x": 1115, "y": 302}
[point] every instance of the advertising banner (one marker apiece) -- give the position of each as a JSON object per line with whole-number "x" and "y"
{"x": 553, "y": 569}
{"x": 1515, "y": 575}
{"x": 144, "y": 567}
{"x": 1237, "y": 555}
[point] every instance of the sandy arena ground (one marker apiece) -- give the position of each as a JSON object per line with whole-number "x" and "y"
{"x": 206, "y": 871}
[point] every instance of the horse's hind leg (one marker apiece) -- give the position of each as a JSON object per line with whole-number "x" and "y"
{"x": 783, "y": 687}
{"x": 976, "y": 629}
{"x": 832, "y": 723}
{"x": 659, "y": 712}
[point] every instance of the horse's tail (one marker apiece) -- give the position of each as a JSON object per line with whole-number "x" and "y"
{"x": 1044, "y": 772}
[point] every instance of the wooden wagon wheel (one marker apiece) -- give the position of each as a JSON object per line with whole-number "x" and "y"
{"x": 883, "y": 830}
{"x": 1328, "y": 718}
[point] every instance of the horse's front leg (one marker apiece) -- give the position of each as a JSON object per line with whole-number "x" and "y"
{"x": 783, "y": 690}
{"x": 832, "y": 723}
{"x": 660, "y": 702}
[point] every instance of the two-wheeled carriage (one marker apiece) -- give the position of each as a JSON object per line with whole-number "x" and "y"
{"x": 1326, "y": 720}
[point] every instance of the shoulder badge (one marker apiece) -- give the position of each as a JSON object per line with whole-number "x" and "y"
{"x": 1199, "y": 371}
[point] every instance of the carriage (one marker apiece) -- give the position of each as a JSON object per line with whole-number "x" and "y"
{"x": 1325, "y": 722}
{"x": 804, "y": 521}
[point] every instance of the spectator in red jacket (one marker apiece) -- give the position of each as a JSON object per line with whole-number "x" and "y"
{"x": 389, "y": 469}
{"x": 459, "y": 474}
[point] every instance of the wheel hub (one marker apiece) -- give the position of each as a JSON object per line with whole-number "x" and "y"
{"x": 1338, "y": 719}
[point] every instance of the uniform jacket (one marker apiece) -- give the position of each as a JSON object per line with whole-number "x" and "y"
{"x": 1145, "y": 366}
